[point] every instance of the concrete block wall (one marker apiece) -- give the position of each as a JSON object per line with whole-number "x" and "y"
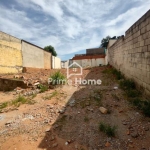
{"x": 131, "y": 53}
{"x": 10, "y": 54}
{"x": 33, "y": 57}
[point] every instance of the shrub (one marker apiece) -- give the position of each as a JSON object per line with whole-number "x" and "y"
{"x": 107, "y": 129}
{"x": 57, "y": 78}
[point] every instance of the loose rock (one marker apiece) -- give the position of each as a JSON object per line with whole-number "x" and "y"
{"x": 103, "y": 110}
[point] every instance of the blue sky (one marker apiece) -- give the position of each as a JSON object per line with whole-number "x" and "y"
{"x": 71, "y": 26}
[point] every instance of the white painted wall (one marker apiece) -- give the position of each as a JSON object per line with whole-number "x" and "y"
{"x": 56, "y": 62}
{"x": 90, "y": 62}
{"x": 65, "y": 64}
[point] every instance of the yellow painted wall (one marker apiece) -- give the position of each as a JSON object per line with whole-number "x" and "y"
{"x": 10, "y": 54}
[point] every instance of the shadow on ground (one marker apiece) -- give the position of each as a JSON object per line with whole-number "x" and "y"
{"x": 78, "y": 126}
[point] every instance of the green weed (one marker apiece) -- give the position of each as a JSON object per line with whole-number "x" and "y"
{"x": 58, "y": 78}
{"x": 43, "y": 88}
{"x": 107, "y": 129}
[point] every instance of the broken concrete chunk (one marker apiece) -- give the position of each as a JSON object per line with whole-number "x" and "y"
{"x": 103, "y": 110}
{"x": 37, "y": 83}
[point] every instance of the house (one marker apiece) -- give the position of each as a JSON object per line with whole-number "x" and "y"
{"x": 64, "y": 64}
{"x": 93, "y": 57}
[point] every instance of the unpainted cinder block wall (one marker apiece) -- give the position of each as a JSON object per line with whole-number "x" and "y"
{"x": 131, "y": 53}
{"x": 10, "y": 54}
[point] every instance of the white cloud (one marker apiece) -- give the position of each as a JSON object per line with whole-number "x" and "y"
{"x": 126, "y": 19}
{"x": 69, "y": 26}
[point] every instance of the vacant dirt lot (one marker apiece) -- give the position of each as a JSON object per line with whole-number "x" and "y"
{"x": 68, "y": 117}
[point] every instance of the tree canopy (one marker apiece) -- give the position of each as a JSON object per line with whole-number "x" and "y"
{"x": 104, "y": 41}
{"x": 51, "y": 49}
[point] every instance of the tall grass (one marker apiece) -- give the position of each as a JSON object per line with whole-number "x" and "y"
{"x": 58, "y": 78}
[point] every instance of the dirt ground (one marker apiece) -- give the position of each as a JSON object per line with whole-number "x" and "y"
{"x": 68, "y": 118}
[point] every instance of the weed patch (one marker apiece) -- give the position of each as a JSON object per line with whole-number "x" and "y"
{"x": 3, "y": 105}
{"x": 49, "y": 97}
{"x": 58, "y": 78}
{"x": 17, "y": 102}
{"x": 86, "y": 119}
{"x": 127, "y": 84}
{"x": 107, "y": 129}
{"x": 132, "y": 93}
{"x": 43, "y": 88}
{"x": 143, "y": 105}
{"x": 115, "y": 72}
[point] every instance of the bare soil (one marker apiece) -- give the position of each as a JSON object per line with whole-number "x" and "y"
{"x": 68, "y": 118}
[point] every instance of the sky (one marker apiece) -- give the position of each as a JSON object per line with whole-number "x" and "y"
{"x": 70, "y": 26}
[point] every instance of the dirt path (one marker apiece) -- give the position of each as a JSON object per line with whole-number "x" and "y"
{"x": 68, "y": 118}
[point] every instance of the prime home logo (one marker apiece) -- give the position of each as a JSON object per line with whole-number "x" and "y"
{"x": 74, "y": 66}
{"x": 75, "y": 70}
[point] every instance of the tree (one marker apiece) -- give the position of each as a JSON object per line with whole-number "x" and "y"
{"x": 50, "y": 49}
{"x": 104, "y": 41}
